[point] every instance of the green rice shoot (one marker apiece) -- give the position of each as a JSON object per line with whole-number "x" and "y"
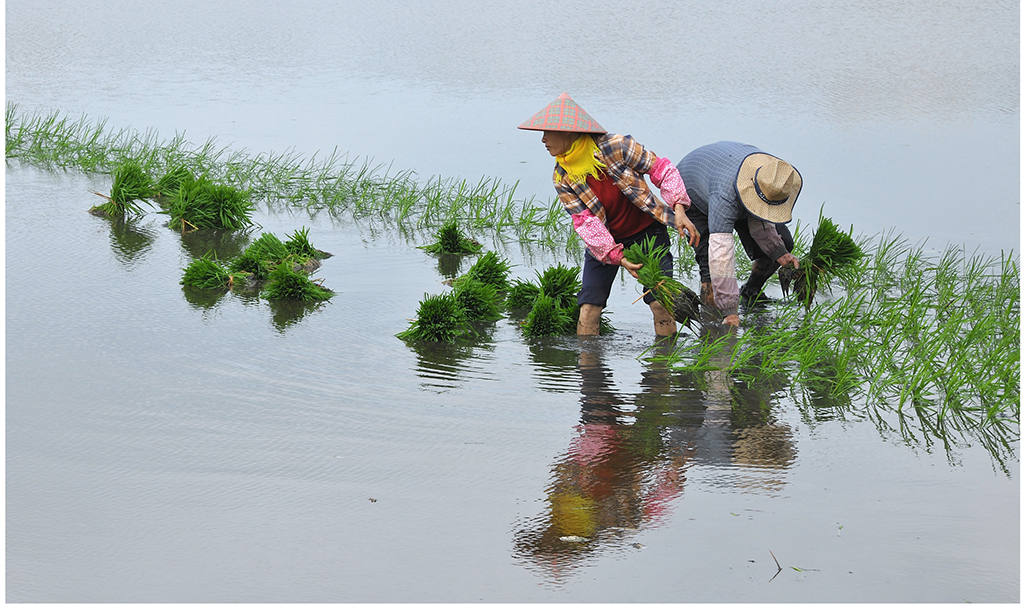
{"x": 170, "y": 182}
{"x": 479, "y": 301}
{"x": 832, "y": 252}
{"x": 666, "y": 290}
{"x": 521, "y": 294}
{"x": 451, "y": 240}
{"x": 299, "y": 245}
{"x": 548, "y": 318}
{"x": 131, "y": 185}
{"x": 491, "y": 269}
{"x": 286, "y": 283}
{"x": 206, "y": 273}
{"x": 560, "y": 283}
{"x": 203, "y": 204}
{"x": 440, "y": 318}
{"x": 261, "y": 257}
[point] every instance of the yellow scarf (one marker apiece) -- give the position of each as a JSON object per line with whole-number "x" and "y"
{"x": 579, "y": 161}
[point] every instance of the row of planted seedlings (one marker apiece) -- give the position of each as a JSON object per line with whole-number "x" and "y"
{"x": 484, "y": 294}
{"x": 281, "y": 268}
{"x": 332, "y": 183}
{"x": 928, "y": 347}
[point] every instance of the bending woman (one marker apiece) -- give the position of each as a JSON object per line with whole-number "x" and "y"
{"x": 599, "y": 178}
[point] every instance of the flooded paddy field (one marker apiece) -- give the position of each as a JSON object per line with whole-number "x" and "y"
{"x": 168, "y": 445}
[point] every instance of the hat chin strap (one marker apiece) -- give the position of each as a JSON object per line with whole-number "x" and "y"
{"x": 760, "y": 193}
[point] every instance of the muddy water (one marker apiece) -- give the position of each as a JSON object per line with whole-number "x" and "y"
{"x": 163, "y": 445}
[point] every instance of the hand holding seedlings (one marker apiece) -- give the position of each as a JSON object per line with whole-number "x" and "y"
{"x": 632, "y": 267}
{"x": 789, "y": 260}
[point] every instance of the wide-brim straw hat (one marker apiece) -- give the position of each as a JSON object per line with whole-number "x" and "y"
{"x": 563, "y": 115}
{"x": 768, "y": 187}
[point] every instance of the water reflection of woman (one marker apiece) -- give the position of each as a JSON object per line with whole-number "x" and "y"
{"x": 599, "y": 178}
{"x": 627, "y": 462}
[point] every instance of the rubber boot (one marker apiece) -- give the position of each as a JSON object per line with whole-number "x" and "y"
{"x": 760, "y": 271}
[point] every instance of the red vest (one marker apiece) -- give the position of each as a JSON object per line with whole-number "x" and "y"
{"x": 621, "y": 217}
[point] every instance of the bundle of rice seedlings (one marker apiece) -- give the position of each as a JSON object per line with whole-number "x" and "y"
{"x": 170, "y": 182}
{"x": 299, "y": 245}
{"x": 521, "y": 294}
{"x": 261, "y": 257}
{"x": 560, "y": 283}
{"x": 680, "y": 301}
{"x": 131, "y": 184}
{"x": 490, "y": 269}
{"x": 202, "y": 204}
{"x": 440, "y": 318}
{"x": 451, "y": 240}
{"x": 478, "y": 300}
{"x": 286, "y": 283}
{"x": 831, "y": 253}
{"x": 548, "y": 318}
{"x": 206, "y": 273}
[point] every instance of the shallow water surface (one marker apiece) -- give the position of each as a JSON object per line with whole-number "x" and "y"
{"x": 165, "y": 444}
{"x": 265, "y": 453}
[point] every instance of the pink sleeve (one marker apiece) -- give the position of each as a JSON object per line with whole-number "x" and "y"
{"x": 666, "y": 177}
{"x": 598, "y": 240}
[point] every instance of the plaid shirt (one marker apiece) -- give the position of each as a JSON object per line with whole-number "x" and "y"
{"x": 627, "y": 162}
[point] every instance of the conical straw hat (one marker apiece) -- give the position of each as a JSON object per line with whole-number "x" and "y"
{"x": 768, "y": 187}
{"x": 564, "y": 115}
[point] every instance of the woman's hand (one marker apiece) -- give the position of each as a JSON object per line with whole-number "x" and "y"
{"x": 685, "y": 226}
{"x": 631, "y": 267}
{"x": 789, "y": 260}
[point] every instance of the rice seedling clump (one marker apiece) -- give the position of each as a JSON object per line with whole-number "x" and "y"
{"x": 832, "y": 252}
{"x": 170, "y": 182}
{"x": 206, "y": 273}
{"x": 521, "y": 294}
{"x": 548, "y": 318}
{"x": 202, "y": 204}
{"x": 451, "y": 240}
{"x": 560, "y": 283}
{"x": 261, "y": 257}
{"x": 131, "y": 184}
{"x": 440, "y": 318}
{"x": 478, "y": 300}
{"x": 299, "y": 245}
{"x": 286, "y": 283}
{"x": 490, "y": 269}
{"x": 680, "y": 301}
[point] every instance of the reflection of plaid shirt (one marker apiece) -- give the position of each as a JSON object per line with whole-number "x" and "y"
{"x": 627, "y": 162}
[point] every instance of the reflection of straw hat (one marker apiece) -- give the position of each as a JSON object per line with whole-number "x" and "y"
{"x": 563, "y": 114}
{"x": 768, "y": 187}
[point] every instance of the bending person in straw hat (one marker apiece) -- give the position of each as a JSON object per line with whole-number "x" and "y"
{"x": 738, "y": 187}
{"x": 599, "y": 178}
